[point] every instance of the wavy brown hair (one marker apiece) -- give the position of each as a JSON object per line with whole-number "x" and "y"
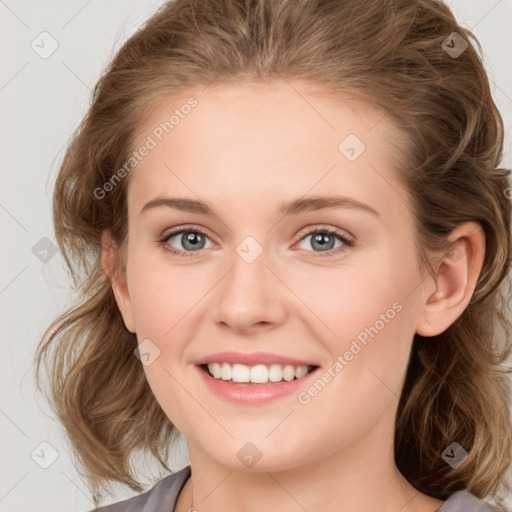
{"x": 387, "y": 53}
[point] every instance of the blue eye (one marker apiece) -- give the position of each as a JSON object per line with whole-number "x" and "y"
{"x": 324, "y": 239}
{"x": 193, "y": 240}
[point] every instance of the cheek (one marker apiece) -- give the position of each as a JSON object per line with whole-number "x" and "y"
{"x": 365, "y": 317}
{"x": 162, "y": 305}
{"x": 162, "y": 294}
{"x": 345, "y": 302}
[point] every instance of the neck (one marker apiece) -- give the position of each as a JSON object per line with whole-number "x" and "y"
{"x": 357, "y": 478}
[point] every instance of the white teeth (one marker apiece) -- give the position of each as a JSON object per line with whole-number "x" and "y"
{"x": 240, "y": 373}
{"x": 275, "y": 373}
{"x": 288, "y": 373}
{"x": 300, "y": 371}
{"x": 258, "y": 374}
{"x": 225, "y": 371}
{"x": 216, "y": 370}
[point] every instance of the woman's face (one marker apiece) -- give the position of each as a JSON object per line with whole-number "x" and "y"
{"x": 258, "y": 276}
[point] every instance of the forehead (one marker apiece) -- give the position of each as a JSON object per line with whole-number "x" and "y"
{"x": 242, "y": 109}
{"x": 258, "y": 138}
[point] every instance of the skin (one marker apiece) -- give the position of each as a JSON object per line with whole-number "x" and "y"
{"x": 245, "y": 149}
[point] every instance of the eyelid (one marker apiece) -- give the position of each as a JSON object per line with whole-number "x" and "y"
{"x": 307, "y": 230}
{"x": 348, "y": 241}
{"x": 164, "y": 238}
{"x": 313, "y": 228}
{"x": 185, "y": 227}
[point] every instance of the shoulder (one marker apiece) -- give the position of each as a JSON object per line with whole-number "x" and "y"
{"x": 162, "y": 496}
{"x": 464, "y": 501}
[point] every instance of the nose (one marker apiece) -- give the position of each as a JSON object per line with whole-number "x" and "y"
{"x": 251, "y": 296}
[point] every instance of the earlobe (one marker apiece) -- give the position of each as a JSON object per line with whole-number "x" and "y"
{"x": 109, "y": 260}
{"x": 455, "y": 280}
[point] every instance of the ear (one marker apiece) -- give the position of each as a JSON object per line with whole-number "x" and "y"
{"x": 116, "y": 272}
{"x": 454, "y": 280}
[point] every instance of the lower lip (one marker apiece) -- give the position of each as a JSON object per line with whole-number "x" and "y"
{"x": 253, "y": 393}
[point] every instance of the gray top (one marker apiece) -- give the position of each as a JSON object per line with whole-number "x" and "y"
{"x": 163, "y": 496}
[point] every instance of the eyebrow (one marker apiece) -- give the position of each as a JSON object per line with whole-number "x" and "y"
{"x": 295, "y": 207}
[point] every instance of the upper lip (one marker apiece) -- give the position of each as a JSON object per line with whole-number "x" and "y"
{"x": 252, "y": 359}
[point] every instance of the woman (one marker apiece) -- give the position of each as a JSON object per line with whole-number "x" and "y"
{"x": 291, "y": 234}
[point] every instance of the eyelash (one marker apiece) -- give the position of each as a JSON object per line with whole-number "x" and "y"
{"x": 322, "y": 254}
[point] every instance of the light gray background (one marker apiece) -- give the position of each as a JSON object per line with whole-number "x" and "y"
{"x": 42, "y": 101}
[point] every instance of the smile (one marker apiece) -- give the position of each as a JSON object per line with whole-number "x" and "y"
{"x": 257, "y": 374}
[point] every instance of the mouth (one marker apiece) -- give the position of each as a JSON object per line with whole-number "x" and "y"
{"x": 259, "y": 374}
